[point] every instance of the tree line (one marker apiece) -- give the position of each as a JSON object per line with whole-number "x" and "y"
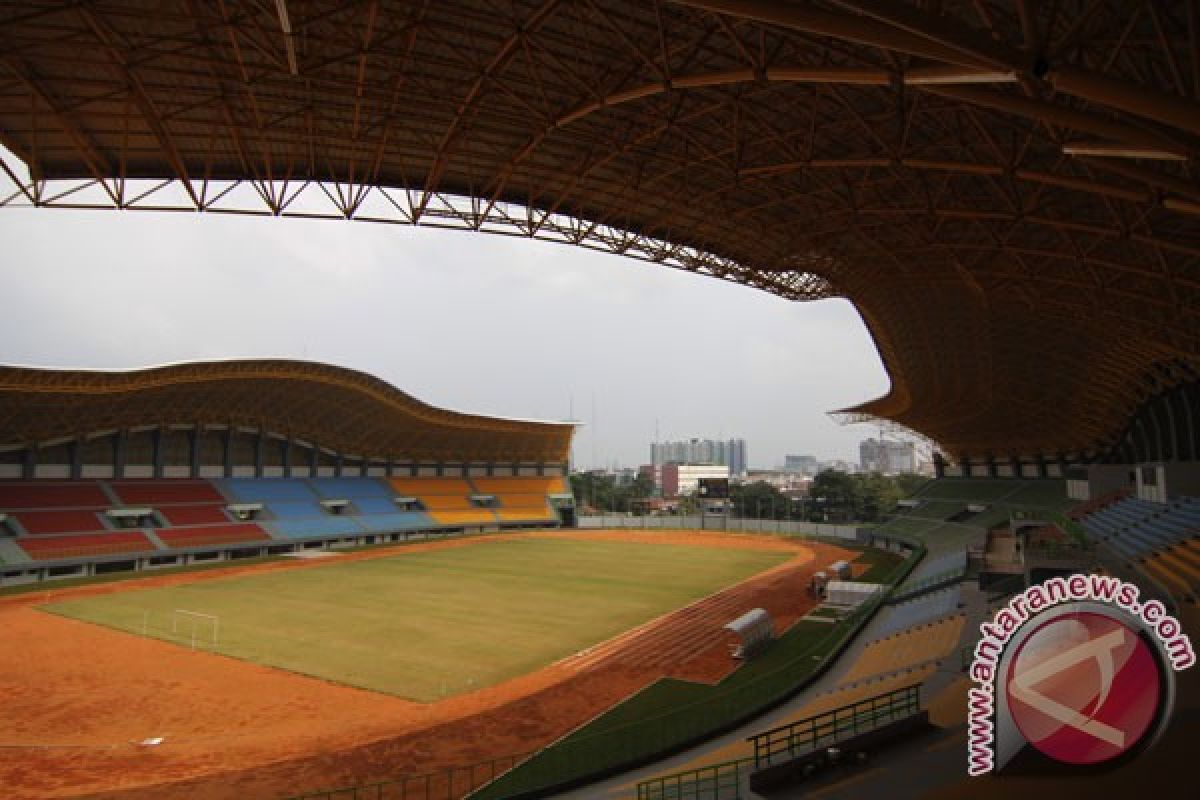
{"x": 833, "y": 496}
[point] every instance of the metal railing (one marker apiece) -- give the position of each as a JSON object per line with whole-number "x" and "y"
{"x": 807, "y": 735}
{"x": 911, "y": 589}
{"x": 711, "y": 782}
{"x": 447, "y": 784}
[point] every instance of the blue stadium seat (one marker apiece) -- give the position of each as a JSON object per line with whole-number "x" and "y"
{"x": 351, "y": 488}
{"x": 267, "y": 490}
{"x": 304, "y": 528}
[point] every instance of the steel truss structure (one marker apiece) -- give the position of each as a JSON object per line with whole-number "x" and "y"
{"x": 1006, "y": 190}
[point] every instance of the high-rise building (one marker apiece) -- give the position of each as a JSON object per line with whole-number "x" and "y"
{"x": 730, "y": 453}
{"x": 890, "y": 458}
{"x": 805, "y": 465}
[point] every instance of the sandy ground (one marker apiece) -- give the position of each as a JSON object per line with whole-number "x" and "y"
{"x": 76, "y": 700}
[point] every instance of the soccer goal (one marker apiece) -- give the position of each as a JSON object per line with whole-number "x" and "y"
{"x": 202, "y": 629}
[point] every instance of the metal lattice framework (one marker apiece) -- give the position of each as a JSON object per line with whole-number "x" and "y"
{"x": 339, "y": 409}
{"x": 1005, "y": 189}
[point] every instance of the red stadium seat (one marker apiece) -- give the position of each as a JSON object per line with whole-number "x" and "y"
{"x": 212, "y": 534}
{"x": 15, "y": 496}
{"x": 97, "y": 544}
{"x": 194, "y": 515}
{"x": 69, "y": 521}
{"x": 153, "y": 493}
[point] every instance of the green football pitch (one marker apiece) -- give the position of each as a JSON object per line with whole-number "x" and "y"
{"x": 429, "y": 624}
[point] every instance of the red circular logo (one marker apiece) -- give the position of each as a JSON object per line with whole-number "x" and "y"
{"x": 1083, "y": 688}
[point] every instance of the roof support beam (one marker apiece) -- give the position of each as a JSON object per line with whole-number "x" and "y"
{"x": 903, "y": 28}
{"x": 842, "y": 26}
{"x": 145, "y": 105}
{"x": 96, "y": 162}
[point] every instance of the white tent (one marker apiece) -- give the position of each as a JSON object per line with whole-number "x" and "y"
{"x": 753, "y": 629}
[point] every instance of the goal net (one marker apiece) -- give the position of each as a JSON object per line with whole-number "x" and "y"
{"x": 203, "y": 630}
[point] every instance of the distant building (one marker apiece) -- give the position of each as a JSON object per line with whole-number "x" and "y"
{"x": 839, "y": 465}
{"x": 889, "y": 458}
{"x": 784, "y": 480}
{"x": 730, "y": 453}
{"x": 805, "y": 465}
{"x": 682, "y": 479}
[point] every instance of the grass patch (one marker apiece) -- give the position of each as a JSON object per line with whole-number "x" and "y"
{"x": 881, "y": 565}
{"x": 429, "y": 624}
{"x": 671, "y": 713}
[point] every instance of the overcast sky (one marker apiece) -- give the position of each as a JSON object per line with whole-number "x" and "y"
{"x": 472, "y": 322}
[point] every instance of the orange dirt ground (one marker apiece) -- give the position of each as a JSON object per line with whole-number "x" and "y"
{"x": 76, "y": 699}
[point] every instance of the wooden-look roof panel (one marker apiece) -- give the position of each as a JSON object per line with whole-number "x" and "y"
{"x": 1007, "y": 191}
{"x": 340, "y": 409}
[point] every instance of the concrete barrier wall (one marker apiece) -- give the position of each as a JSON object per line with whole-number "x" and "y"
{"x": 732, "y": 524}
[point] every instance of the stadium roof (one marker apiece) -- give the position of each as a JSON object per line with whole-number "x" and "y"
{"x": 1006, "y": 190}
{"x": 338, "y": 409}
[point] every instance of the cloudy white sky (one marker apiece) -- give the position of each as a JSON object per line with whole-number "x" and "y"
{"x": 472, "y": 322}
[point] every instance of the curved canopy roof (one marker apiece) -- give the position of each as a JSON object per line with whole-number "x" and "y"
{"x": 339, "y": 409}
{"x": 1006, "y": 190}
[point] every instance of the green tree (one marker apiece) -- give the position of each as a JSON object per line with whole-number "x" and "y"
{"x": 835, "y": 496}
{"x": 758, "y": 500}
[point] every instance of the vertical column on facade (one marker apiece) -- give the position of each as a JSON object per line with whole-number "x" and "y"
{"x": 76, "y": 450}
{"x": 260, "y": 446}
{"x": 120, "y": 440}
{"x": 158, "y": 437}
{"x": 194, "y": 449}
{"x": 227, "y": 459}
{"x": 29, "y": 467}
{"x": 338, "y": 462}
{"x": 285, "y": 447}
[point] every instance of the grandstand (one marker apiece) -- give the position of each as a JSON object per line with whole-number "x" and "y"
{"x": 1163, "y": 539}
{"x": 186, "y": 520}
{"x": 1023, "y": 252}
{"x": 211, "y": 492}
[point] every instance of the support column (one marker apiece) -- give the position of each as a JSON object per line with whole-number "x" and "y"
{"x": 260, "y": 445}
{"x": 120, "y": 440}
{"x": 159, "y": 455}
{"x": 194, "y": 436}
{"x": 286, "y": 449}
{"x": 76, "y": 450}
{"x": 228, "y": 455}
{"x": 337, "y": 465}
{"x": 29, "y": 468}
